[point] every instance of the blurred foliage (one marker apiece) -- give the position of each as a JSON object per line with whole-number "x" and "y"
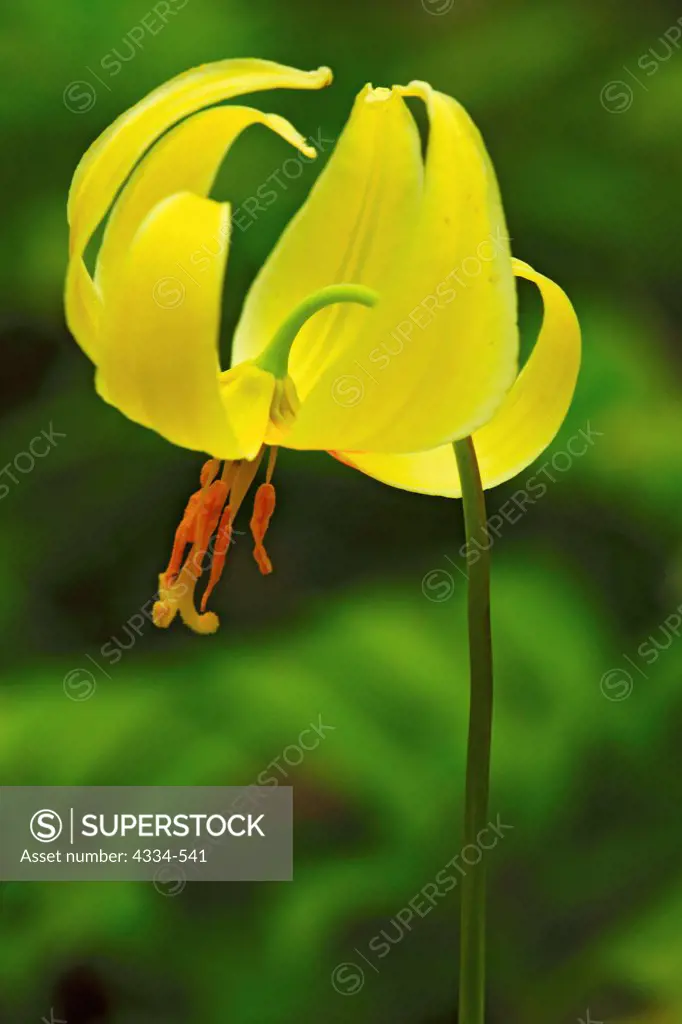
{"x": 586, "y": 891}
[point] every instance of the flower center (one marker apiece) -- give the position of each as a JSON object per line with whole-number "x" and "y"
{"x": 256, "y": 392}
{"x": 207, "y": 526}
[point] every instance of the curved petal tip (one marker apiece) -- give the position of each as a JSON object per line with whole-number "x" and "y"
{"x": 324, "y": 75}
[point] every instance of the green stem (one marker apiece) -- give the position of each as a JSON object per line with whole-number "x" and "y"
{"x": 275, "y": 357}
{"x": 472, "y": 938}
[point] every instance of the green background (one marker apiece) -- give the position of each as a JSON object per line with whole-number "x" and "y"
{"x": 586, "y": 890}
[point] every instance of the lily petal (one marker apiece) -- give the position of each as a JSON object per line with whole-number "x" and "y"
{"x": 159, "y": 358}
{"x": 247, "y": 394}
{"x": 108, "y": 162}
{"x": 445, "y": 326}
{"x": 522, "y": 428}
{"x": 354, "y": 227}
{"x": 187, "y": 159}
{"x": 83, "y": 305}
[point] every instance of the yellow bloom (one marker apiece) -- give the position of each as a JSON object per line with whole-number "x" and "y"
{"x": 404, "y": 261}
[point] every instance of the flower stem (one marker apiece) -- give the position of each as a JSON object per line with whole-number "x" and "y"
{"x": 472, "y": 937}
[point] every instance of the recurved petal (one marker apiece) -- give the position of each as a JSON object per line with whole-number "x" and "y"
{"x": 186, "y": 159}
{"x": 523, "y": 426}
{"x": 109, "y": 160}
{"x": 354, "y": 227}
{"x": 160, "y": 360}
{"x": 83, "y": 306}
{"x": 434, "y": 359}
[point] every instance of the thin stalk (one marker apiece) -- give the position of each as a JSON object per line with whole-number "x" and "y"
{"x": 472, "y": 937}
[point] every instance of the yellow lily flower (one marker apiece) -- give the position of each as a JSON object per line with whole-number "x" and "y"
{"x": 382, "y": 327}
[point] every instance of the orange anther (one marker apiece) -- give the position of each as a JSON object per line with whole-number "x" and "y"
{"x": 184, "y": 534}
{"x": 220, "y": 549}
{"x": 263, "y": 508}
{"x": 206, "y": 528}
{"x": 214, "y": 497}
{"x": 209, "y": 472}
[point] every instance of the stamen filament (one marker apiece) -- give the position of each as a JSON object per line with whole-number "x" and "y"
{"x": 244, "y": 477}
{"x": 272, "y": 459}
{"x": 220, "y": 549}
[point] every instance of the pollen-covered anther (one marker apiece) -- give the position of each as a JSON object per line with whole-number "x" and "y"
{"x": 209, "y": 512}
{"x": 207, "y": 526}
{"x": 185, "y": 533}
{"x": 209, "y": 472}
{"x": 285, "y": 403}
{"x": 220, "y": 549}
{"x": 177, "y": 584}
{"x": 263, "y": 508}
